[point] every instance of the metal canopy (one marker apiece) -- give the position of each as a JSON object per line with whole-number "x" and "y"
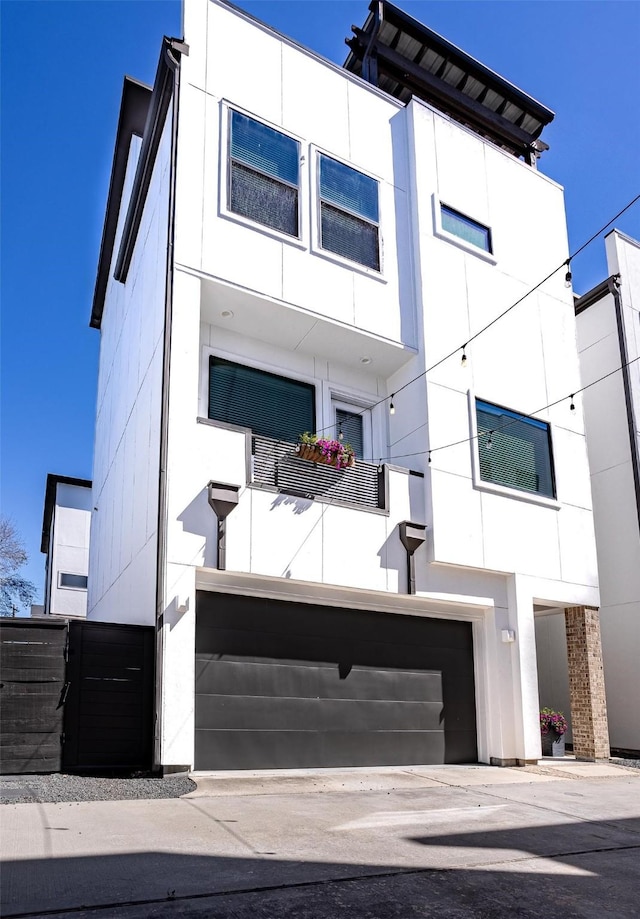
{"x": 404, "y": 58}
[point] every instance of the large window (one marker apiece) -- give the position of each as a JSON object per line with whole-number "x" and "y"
{"x": 514, "y": 450}
{"x": 270, "y": 405}
{"x": 469, "y": 231}
{"x": 349, "y": 213}
{"x": 263, "y": 174}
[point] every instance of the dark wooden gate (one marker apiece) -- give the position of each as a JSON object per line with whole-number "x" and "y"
{"x": 32, "y": 679}
{"x": 108, "y": 722}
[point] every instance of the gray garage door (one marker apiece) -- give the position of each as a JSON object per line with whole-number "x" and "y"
{"x": 286, "y": 685}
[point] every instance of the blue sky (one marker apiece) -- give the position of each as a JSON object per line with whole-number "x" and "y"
{"x": 62, "y": 65}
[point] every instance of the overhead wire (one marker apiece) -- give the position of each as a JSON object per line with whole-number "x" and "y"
{"x": 566, "y": 263}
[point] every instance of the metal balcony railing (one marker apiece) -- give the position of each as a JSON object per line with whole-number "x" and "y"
{"x": 276, "y": 465}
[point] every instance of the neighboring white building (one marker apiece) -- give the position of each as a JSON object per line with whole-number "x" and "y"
{"x": 292, "y": 253}
{"x": 608, "y": 319}
{"x": 66, "y": 528}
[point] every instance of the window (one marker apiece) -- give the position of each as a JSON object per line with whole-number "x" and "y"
{"x": 270, "y": 405}
{"x": 514, "y": 450}
{"x": 349, "y": 214}
{"x": 349, "y": 424}
{"x": 263, "y": 174}
{"x": 77, "y": 581}
{"x": 469, "y": 231}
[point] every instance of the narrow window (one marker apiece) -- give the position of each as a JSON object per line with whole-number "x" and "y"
{"x": 349, "y": 424}
{"x": 270, "y": 405}
{"x": 78, "y": 581}
{"x": 465, "y": 229}
{"x": 514, "y": 450}
{"x": 263, "y": 174}
{"x": 349, "y": 213}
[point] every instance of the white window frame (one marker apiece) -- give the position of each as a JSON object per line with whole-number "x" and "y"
{"x": 480, "y": 484}
{"x": 436, "y": 204}
{"x": 224, "y": 210}
{"x": 77, "y": 574}
{"x": 316, "y": 217}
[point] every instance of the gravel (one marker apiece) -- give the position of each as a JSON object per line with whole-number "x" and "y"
{"x": 56, "y": 788}
{"x": 623, "y": 761}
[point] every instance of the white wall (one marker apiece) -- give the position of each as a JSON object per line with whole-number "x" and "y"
{"x": 325, "y": 109}
{"x": 614, "y": 498}
{"x": 122, "y": 575}
{"x": 526, "y": 361}
{"x": 69, "y": 549}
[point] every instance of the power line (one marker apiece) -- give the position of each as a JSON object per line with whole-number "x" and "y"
{"x": 473, "y": 437}
{"x": 566, "y": 263}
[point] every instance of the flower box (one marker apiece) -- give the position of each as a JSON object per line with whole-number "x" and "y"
{"x": 329, "y": 453}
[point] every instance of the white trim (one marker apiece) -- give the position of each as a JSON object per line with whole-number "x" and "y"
{"x": 441, "y": 233}
{"x": 530, "y": 497}
{"x": 224, "y": 211}
{"x": 315, "y": 247}
{"x": 75, "y": 574}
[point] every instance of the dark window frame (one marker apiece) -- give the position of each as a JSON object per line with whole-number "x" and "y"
{"x": 354, "y": 215}
{"x": 259, "y": 372}
{"x": 488, "y": 250}
{"x": 482, "y": 437}
{"x": 256, "y": 170}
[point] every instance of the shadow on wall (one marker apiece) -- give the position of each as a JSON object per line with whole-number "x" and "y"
{"x": 556, "y": 871}
{"x": 199, "y": 519}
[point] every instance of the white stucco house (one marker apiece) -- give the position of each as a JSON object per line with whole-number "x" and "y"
{"x": 301, "y": 252}
{"x": 608, "y": 339}
{"x": 66, "y": 526}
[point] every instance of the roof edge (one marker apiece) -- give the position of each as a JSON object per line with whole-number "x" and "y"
{"x": 53, "y": 481}
{"x": 134, "y": 106}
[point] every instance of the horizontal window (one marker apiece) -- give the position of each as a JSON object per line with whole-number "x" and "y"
{"x": 349, "y": 213}
{"x": 263, "y": 174}
{"x": 79, "y": 581}
{"x": 270, "y": 405}
{"x": 514, "y": 450}
{"x": 464, "y": 228}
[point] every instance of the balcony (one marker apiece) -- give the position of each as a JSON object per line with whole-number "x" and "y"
{"x": 275, "y": 465}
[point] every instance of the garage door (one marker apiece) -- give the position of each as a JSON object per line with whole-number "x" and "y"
{"x": 291, "y": 685}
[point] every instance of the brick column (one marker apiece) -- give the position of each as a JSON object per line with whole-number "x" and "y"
{"x": 586, "y": 684}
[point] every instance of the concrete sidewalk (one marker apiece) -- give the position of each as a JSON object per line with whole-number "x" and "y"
{"x": 457, "y": 841}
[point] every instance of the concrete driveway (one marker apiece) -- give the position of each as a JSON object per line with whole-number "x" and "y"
{"x": 456, "y": 841}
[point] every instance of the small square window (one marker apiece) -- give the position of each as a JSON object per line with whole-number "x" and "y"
{"x": 263, "y": 174}
{"x": 469, "y": 231}
{"x": 514, "y": 450}
{"x": 349, "y": 213}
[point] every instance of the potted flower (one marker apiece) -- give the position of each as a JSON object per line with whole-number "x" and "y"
{"x": 553, "y": 727}
{"x": 325, "y": 450}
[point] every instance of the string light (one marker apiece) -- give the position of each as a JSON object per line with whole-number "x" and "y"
{"x": 392, "y": 408}
{"x": 463, "y": 362}
{"x": 340, "y": 434}
{"x": 572, "y": 407}
{"x": 568, "y": 281}
{"x": 429, "y": 460}
{"x": 489, "y": 443}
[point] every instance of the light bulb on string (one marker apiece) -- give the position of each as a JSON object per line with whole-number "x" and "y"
{"x": 572, "y": 406}
{"x": 392, "y": 408}
{"x": 429, "y": 458}
{"x": 463, "y": 361}
{"x": 340, "y": 434}
{"x": 568, "y": 276}
{"x": 489, "y": 443}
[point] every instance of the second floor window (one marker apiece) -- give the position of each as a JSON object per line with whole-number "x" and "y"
{"x": 271, "y": 405}
{"x": 263, "y": 174}
{"x": 514, "y": 450}
{"x": 349, "y": 213}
